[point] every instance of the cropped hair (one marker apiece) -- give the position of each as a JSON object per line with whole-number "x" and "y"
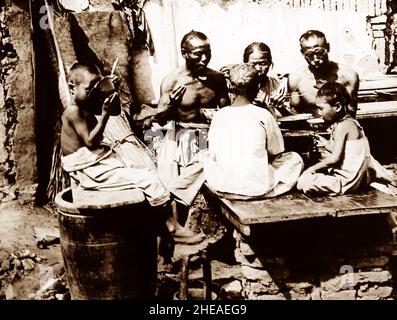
{"x": 334, "y": 92}
{"x": 192, "y": 35}
{"x": 312, "y": 33}
{"x": 259, "y": 46}
{"x": 244, "y": 80}
{"x": 78, "y": 67}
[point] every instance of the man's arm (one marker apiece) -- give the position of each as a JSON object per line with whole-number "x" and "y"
{"x": 352, "y": 85}
{"x": 169, "y": 97}
{"x": 293, "y": 82}
{"x": 79, "y": 123}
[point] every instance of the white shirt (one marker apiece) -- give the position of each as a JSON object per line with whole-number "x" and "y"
{"x": 241, "y": 139}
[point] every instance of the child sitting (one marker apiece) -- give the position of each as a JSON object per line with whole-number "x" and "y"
{"x": 94, "y": 165}
{"x": 349, "y": 166}
{"x": 246, "y": 149}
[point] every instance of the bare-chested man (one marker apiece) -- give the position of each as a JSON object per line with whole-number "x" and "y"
{"x": 192, "y": 87}
{"x": 189, "y": 96}
{"x": 304, "y": 83}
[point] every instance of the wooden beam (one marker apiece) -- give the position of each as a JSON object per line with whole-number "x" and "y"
{"x": 382, "y": 109}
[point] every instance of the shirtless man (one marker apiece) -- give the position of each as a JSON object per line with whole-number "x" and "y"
{"x": 192, "y": 87}
{"x": 304, "y": 83}
{"x": 190, "y": 94}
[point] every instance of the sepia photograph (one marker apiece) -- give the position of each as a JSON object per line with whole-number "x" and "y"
{"x": 220, "y": 151}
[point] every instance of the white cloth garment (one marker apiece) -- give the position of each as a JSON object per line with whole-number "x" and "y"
{"x": 179, "y": 162}
{"x": 100, "y": 170}
{"x": 246, "y": 154}
{"x": 348, "y": 176}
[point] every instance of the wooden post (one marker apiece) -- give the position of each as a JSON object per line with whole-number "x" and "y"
{"x": 169, "y": 18}
{"x": 184, "y": 274}
{"x": 207, "y": 277}
{"x": 392, "y": 221}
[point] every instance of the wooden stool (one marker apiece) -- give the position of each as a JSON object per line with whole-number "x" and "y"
{"x": 185, "y": 253}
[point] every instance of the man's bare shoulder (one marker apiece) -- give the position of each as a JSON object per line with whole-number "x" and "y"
{"x": 216, "y": 77}
{"x": 215, "y": 74}
{"x": 347, "y": 72}
{"x": 171, "y": 79}
{"x": 297, "y": 75}
{"x": 299, "y": 72}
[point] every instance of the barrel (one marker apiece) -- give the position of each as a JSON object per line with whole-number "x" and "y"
{"x": 108, "y": 252}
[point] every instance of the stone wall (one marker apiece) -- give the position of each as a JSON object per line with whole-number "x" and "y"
{"x": 17, "y": 118}
{"x": 349, "y": 259}
{"x": 383, "y": 29}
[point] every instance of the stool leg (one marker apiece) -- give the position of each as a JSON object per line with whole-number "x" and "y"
{"x": 183, "y": 287}
{"x": 207, "y": 276}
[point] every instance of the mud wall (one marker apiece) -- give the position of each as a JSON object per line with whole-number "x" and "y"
{"x": 17, "y": 117}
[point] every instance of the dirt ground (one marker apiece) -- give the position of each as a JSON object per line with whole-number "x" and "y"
{"x": 44, "y": 277}
{"x": 17, "y": 239}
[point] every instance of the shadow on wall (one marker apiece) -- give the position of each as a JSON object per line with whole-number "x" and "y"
{"x": 47, "y": 104}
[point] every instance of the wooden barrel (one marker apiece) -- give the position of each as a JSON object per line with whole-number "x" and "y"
{"x": 109, "y": 253}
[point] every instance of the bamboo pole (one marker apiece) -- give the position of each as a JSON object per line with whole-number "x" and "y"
{"x": 58, "y": 178}
{"x": 169, "y": 18}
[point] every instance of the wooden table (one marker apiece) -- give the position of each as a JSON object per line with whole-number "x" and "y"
{"x": 243, "y": 214}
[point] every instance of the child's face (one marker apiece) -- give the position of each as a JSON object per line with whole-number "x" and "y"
{"x": 329, "y": 113}
{"x": 82, "y": 89}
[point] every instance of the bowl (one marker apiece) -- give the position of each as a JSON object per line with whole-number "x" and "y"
{"x": 102, "y": 90}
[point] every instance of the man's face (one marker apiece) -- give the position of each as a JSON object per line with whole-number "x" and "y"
{"x": 315, "y": 51}
{"x": 261, "y": 62}
{"x": 197, "y": 54}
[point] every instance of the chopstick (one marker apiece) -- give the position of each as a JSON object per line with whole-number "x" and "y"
{"x": 114, "y": 66}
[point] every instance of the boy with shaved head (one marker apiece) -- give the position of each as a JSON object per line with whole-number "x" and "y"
{"x": 92, "y": 164}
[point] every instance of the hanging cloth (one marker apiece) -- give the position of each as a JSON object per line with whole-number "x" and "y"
{"x": 137, "y": 23}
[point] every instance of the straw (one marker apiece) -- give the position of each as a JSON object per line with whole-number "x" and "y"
{"x": 114, "y": 66}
